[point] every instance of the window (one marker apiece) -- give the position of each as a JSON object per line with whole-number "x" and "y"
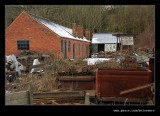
{"x": 23, "y": 44}
{"x": 86, "y": 49}
{"x": 62, "y": 45}
{"x": 82, "y": 49}
{"x": 69, "y": 45}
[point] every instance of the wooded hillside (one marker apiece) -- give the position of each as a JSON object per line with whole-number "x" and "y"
{"x": 136, "y": 19}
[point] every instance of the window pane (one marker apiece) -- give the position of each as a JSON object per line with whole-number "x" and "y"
{"x": 23, "y": 44}
{"x": 82, "y": 49}
{"x": 69, "y": 49}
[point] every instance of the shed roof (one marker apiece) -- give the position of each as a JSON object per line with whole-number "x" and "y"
{"x": 60, "y": 30}
{"x": 104, "y": 38}
{"x": 124, "y": 34}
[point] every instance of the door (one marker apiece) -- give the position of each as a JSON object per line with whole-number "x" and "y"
{"x": 73, "y": 51}
{"x": 100, "y": 47}
{"x": 65, "y": 53}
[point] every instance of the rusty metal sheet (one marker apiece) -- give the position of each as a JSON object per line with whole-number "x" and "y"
{"x": 77, "y": 78}
{"x": 110, "y": 82}
{"x": 151, "y": 67}
{"x": 123, "y": 99}
{"x": 78, "y": 83}
{"x": 121, "y": 69}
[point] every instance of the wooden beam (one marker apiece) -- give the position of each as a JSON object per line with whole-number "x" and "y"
{"x": 136, "y": 89}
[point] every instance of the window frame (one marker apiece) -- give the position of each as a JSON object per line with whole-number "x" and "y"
{"x": 22, "y": 44}
{"x": 82, "y": 49}
{"x": 69, "y": 45}
{"x": 61, "y": 45}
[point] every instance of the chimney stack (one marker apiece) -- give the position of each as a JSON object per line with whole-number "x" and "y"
{"x": 79, "y": 32}
{"x": 91, "y": 36}
{"x": 74, "y": 30}
{"x": 88, "y": 34}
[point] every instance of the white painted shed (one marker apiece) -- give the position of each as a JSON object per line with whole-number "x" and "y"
{"x": 104, "y": 42}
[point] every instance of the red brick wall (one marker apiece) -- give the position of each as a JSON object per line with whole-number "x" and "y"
{"x": 41, "y": 39}
{"x": 77, "y": 55}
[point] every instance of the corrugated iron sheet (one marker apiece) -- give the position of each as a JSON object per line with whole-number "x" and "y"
{"x": 103, "y": 38}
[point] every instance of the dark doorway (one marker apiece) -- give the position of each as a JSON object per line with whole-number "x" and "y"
{"x": 118, "y": 46}
{"x": 73, "y": 51}
{"x": 65, "y": 53}
{"x": 100, "y": 47}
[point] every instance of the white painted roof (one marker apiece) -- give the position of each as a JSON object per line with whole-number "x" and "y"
{"x": 103, "y": 38}
{"x": 59, "y": 29}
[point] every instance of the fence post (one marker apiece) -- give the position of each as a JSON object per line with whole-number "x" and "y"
{"x": 87, "y": 99}
{"x": 31, "y": 93}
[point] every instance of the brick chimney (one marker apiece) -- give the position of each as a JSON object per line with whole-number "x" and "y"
{"x": 74, "y": 30}
{"x": 91, "y": 36}
{"x": 88, "y": 34}
{"x": 78, "y": 31}
{"x": 81, "y": 32}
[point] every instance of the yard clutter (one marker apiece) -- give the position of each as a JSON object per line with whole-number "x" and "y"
{"x": 13, "y": 68}
{"x": 143, "y": 55}
{"x": 66, "y": 76}
{"x": 93, "y": 61}
{"x": 14, "y": 64}
{"x": 36, "y": 70}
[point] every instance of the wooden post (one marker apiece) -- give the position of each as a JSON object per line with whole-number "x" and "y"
{"x": 116, "y": 48}
{"x": 117, "y": 45}
{"x": 31, "y": 93}
{"x": 87, "y": 99}
{"x": 121, "y": 45}
{"x": 133, "y": 45}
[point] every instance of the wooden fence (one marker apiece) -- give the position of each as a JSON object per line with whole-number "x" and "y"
{"x": 20, "y": 98}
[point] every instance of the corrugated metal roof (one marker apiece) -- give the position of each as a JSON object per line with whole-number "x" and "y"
{"x": 103, "y": 38}
{"x": 58, "y": 29}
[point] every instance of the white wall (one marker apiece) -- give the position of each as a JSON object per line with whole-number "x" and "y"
{"x": 110, "y": 47}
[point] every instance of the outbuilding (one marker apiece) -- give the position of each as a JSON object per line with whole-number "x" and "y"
{"x": 105, "y": 42}
{"x": 30, "y": 32}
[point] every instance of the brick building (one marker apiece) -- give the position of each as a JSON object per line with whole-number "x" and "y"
{"x": 29, "y": 32}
